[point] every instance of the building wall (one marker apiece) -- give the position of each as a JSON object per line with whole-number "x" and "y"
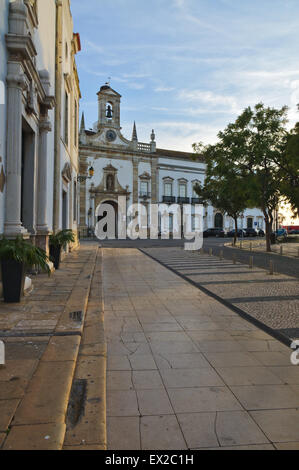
{"x": 3, "y": 70}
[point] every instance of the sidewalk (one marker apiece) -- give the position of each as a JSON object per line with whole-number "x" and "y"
{"x": 285, "y": 249}
{"x": 42, "y": 337}
{"x": 185, "y": 371}
{"x": 270, "y": 299}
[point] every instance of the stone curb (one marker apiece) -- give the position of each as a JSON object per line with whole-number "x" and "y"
{"x": 40, "y": 420}
{"x": 88, "y": 429}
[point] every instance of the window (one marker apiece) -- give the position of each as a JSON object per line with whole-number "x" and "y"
{"x": 168, "y": 189}
{"x": 183, "y": 190}
{"x": 66, "y": 119}
{"x": 109, "y": 110}
{"x": 144, "y": 187}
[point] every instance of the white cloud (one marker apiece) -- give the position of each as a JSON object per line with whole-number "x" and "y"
{"x": 210, "y": 98}
{"x": 162, "y": 89}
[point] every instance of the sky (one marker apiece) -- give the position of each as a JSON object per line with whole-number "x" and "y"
{"x": 187, "y": 68}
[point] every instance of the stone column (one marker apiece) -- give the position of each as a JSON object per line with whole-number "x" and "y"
{"x": 42, "y": 189}
{"x": 135, "y": 180}
{"x": 16, "y": 83}
{"x": 154, "y": 181}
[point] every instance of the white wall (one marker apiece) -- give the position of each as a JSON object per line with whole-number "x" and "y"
{"x": 4, "y": 5}
{"x": 45, "y": 39}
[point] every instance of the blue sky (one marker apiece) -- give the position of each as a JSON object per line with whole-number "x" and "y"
{"x": 187, "y": 67}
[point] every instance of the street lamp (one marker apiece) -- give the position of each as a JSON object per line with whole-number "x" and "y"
{"x": 82, "y": 178}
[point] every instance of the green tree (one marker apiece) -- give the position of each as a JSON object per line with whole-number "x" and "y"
{"x": 224, "y": 188}
{"x": 252, "y": 148}
{"x": 289, "y": 166}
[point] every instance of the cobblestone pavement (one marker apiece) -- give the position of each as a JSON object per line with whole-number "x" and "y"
{"x": 184, "y": 371}
{"x": 271, "y": 299}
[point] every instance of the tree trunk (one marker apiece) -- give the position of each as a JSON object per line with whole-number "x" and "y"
{"x": 268, "y": 232}
{"x": 236, "y": 230}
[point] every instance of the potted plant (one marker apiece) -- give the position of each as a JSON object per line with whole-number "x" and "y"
{"x": 16, "y": 256}
{"x": 57, "y": 241}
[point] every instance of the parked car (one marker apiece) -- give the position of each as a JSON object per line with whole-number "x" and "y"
{"x": 240, "y": 233}
{"x": 214, "y": 232}
{"x": 251, "y": 232}
{"x": 281, "y": 232}
{"x": 261, "y": 233}
{"x": 294, "y": 232}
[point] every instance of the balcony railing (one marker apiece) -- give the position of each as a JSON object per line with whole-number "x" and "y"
{"x": 169, "y": 199}
{"x": 183, "y": 200}
{"x": 145, "y": 195}
{"x": 196, "y": 200}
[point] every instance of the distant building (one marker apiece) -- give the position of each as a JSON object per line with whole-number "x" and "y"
{"x": 140, "y": 171}
{"x": 39, "y": 101}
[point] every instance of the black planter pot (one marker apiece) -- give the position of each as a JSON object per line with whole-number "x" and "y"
{"x": 55, "y": 252}
{"x": 13, "y": 280}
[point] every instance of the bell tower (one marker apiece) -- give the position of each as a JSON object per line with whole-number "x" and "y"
{"x": 109, "y": 108}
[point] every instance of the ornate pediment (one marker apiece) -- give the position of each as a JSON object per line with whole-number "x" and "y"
{"x": 67, "y": 173}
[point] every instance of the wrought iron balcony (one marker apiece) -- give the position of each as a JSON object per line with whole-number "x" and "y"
{"x": 183, "y": 200}
{"x": 145, "y": 195}
{"x": 169, "y": 199}
{"x": 196, "y": 200}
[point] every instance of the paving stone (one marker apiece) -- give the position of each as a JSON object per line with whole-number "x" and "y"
{"x": 147, "y": 380}
{"x": 122, "y": 403}
{"x": 161, "y": 432}
{"x": 13, "y": 389}
{"x": 278, "y": 425}
{"x": 229, "y": 359}
{"x": 195, "y": 400}
{"x": 35, "y": 437}
{"x": 47, "y": 395}
{"x": 249, "y": 376}
{"x": 181, "y": 361}
{"x": 190, "y": 378}
{"x": 62, "y": 349}
{"x": 142, "y": 362}
{"x": 16, "y": 369}
{"x": 118, "y": 363}
{"x": 153, "y": 402}
{"x": 273, "y": 358}
{"x": 287, "y": 445}
{"x": 123, "y": 433}
{"x": 288, "y": 375}
{"x": 258, "y": 397}
{"x": 119, "y": 380}
{"x": 7, "y": 410}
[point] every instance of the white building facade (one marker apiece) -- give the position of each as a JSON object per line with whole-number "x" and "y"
{"x": 140, "y": 171}
{"x": 38, "y": 152}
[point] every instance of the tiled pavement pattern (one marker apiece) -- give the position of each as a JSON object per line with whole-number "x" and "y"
{"x": 272, "y": 299}
{"x": 186, "y": 372}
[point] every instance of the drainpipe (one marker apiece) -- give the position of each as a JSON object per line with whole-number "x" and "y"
{"x": 58, "y": 110}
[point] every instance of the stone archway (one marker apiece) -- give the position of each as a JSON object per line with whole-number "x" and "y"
{"x": 218, "y": 223}
{"x": 114, "y": 205}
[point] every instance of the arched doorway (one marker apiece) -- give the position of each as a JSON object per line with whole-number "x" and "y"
{"x": 104, "y": 214}
{"x": 218, "y": 220}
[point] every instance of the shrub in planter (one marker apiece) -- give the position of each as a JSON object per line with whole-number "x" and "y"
{"x": 16, "y": 256}
{"x": 57, "y": 241}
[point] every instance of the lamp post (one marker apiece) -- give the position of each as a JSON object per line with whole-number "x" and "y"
{"x": 82, "y": 178}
